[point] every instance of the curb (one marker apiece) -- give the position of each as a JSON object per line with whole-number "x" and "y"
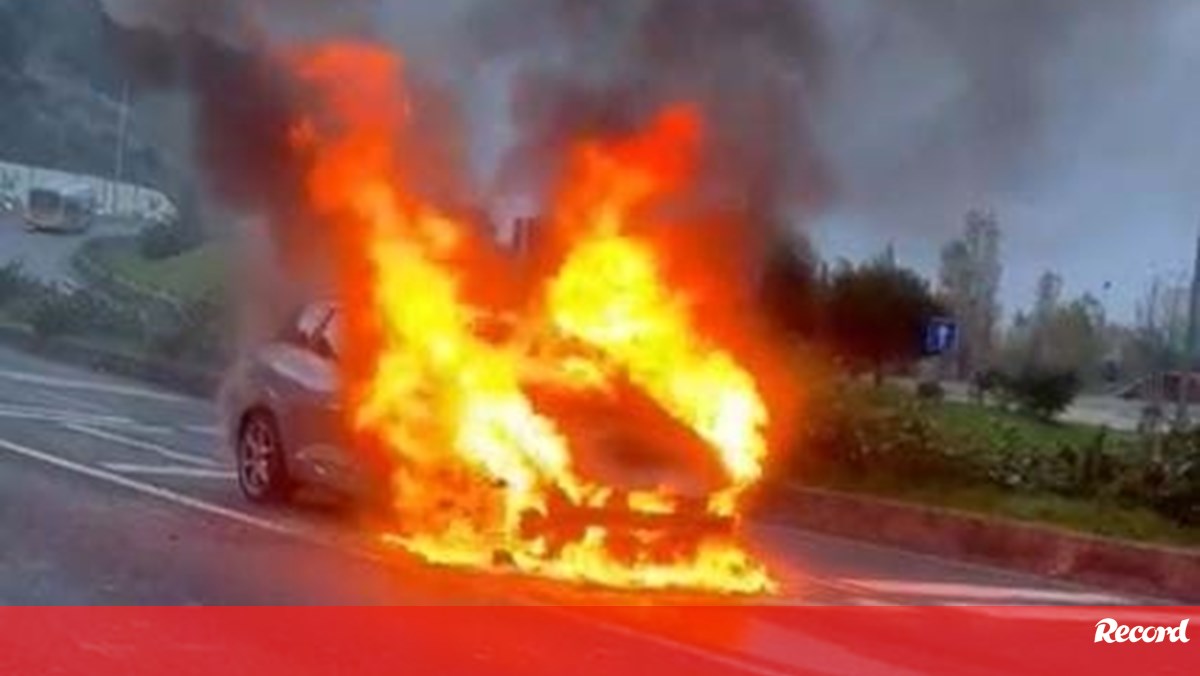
{"x": 1130, "y": 567}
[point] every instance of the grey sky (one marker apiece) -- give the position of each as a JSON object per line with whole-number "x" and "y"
{"x": 1098, "y": 176}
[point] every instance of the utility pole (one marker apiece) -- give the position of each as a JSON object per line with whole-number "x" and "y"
{"x": 1183, "y": 393}
{"x": 122, "y": 130}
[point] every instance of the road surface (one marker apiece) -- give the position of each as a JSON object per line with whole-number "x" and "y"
{"x": 46, "y": 256}
{"x": 114, "y": 492}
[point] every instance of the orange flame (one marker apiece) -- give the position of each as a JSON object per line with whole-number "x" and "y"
{"x": 489, "y": 468}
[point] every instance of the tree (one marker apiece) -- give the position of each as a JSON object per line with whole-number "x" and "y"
{"x": 969, "y": 284}
{"x": 791, "y": 286}
{"x": 876, "y": 314}
{"x": 1045, "y": 311}
{"x": 1057, "y": 337}
{"x": 1161, "y": 330}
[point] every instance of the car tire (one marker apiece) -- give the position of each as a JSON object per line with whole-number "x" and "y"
{"x": 261, "y": 467}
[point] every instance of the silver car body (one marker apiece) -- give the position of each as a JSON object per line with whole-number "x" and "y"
{"x": 294, "y": 379}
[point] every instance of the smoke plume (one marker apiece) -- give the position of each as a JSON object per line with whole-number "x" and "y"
{"x": 867, "y": 120}
{"x": 598, "y": 68}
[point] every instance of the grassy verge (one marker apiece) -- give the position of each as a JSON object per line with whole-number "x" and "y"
{"x": 187, "y": 277}
{"x": 963, "y": 421}
{"x": 1095, "y": 516}
{"x": 885, "y": 442}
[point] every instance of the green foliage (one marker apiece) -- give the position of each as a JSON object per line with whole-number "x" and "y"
{"x": 877, "y": 436}
{"x": 791, "y": 291}
{"x": 165, "y": 240}
{"x": 931, "y": 390}
{"x": 199, "y": 336}
{"x": 876, "y": 313}
{"x": 861, "y": 431}
{"x": 1173, "y": 478}
{"x": 14, "y": 282}
{"x": 1043, "y": 393}
{"x": 56, "y": 312}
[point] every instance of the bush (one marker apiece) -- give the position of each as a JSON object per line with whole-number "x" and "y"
{"x": 931, "y": 390}
{"x": 1044, "y": 394}
{"x": 166, "y": 240}
{"x": 14, "y": 282}
{"x": 82, "y": 312}
{"x": 990, "y": 382}
{"x": 199, "y": 334}
{"x": 1172, "y": 481}
{"x": 862, "y": 431}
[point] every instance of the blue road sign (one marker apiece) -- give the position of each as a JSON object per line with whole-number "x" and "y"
{"x": 941, "y": 335}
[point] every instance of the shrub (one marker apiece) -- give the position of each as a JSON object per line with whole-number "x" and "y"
{"x": 165, "y": 240}
{"x": 860, "y": 432}
{"x": 931, "y": 390}
{"x": 14, "y": 282}
{"x": 990, "y": 382}
{"x": 199, "y": 333}
{"x": 1044, "y": 394}
{"x": 56, "y": 312}
{"x": 1172, "y": 481}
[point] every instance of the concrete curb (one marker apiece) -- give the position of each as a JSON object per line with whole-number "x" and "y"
{"x": 1130, "y": 567}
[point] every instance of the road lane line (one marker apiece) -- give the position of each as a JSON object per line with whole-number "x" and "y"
{"x": 742, "y": 664}
{"x": 90, "y": 385}
{"x": 77, "y": 402}
{"x": 204, "y": 430}
{"x": 152, "y": 490}
{"x": 165, "y": 452}
{"x": 982, "y": 593}
{"x": 52, "y": 415}
{"x": 169, "y": 470}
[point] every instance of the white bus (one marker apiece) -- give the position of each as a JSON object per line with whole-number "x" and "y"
{"x": 66, "y": 208}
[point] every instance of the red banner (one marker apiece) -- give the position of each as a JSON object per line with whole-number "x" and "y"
{"x": 537, "y": 640}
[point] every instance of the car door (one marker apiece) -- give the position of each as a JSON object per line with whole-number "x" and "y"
{"x": 303, "y": 384}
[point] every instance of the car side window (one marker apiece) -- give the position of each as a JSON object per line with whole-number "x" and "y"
{"x": 303, "y": 329}
{"x": 326, "y": 341}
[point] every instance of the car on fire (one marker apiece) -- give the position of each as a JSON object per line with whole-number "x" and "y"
{"x": 282, "y": 418}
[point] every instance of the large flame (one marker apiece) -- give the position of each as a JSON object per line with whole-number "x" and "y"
{"x": 487, "y": 472}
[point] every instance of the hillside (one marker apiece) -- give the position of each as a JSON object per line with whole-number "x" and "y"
{"x": 62, "y": 83}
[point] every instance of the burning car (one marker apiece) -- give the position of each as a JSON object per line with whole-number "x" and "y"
{"x": 588, "y": 427}
{"x": 285, "y": 426}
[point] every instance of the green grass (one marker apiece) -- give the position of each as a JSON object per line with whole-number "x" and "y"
{"x": 186, "y": 277}
{"x": 1093, "y": 516}
{"x": 963, "y": 421}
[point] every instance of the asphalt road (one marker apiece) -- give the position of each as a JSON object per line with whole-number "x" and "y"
{"x": 116, "y": 493}
{"x": 45, "y": 256}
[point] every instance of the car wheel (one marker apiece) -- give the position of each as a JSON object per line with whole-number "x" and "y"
{"x": 262, "y": 472}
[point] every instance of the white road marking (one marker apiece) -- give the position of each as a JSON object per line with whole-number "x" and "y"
{"x": 76, "y": 402}
{"x": 53, "y": 415}
{"x": 141, "y": 445}
{"x": 245, "y": 519}
{"x": 90, "y": 385}
{"x": 151, "y": 490}
{"x": 169, "y": 470}
{"x": 982, "y": 593}
{"x": 204, "y": 430}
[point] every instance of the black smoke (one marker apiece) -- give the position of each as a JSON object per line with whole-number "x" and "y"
{"x": 585, "y": 68}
